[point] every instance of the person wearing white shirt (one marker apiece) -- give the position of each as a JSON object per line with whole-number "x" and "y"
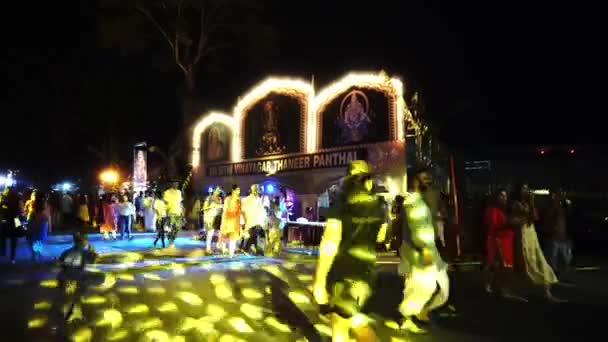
{"x": 254, "y": 214}
{"x": 126, "y": 217}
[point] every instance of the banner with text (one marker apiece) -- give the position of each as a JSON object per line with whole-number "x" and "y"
{"x": 289, "y": 163}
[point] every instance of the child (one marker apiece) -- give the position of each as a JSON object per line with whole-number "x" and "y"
{"x": 72, "y": 276}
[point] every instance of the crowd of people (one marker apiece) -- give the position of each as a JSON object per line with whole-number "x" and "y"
{"x": 249, "y": 223}
{"x": 512, "y": 242}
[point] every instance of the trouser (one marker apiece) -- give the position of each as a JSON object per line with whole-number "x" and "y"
{"x": 160, "y": 230}
{"x": 256, "y": 239}
{"x": 210, "y": 231}
{"x": 421, "y": 287}
{"x": 273, "y": 247}
{"x": 174, "y": 223}
{"x": 6, "y": 233}
{"x": 124, "y": 223}
{"x": 559, "y": 254}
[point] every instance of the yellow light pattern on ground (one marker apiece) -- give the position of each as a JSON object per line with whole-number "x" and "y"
{"x": 156, "y": 290}
{"x": 217, "y": 279}
{"x": 111, "y": 317}
{"x": 43, "y": 305}
{"x": 157, "y": 336}
{"x": 131, "y": 290}
{"x": 149, "y": 323}
{"x": 392, "y": 325}
{"x": 243, "y": 280}
{"x": 167, "y": 307}
{"x": 250, "y": 293}
{"x": 274, "y": 323}
{"x": 82, "y": 334}
{"x": 299, "y": 297}
{"x": 224, "y": 292}
{"x": 189, "y": 298}
{"x": 187, "y": 324}
{"x": 230, "y": 338}
{"x": 216, "y": 311}
{"x": 323, "y": 329}
{"x": 108, "y": 282}
{"x": 240, "y": 325}
{"x": 152, "y": 276}
{"x": 204, "y": 326}
{"x": 252, "y": 311}
{"x": 138, "y": 309}
{"x": 126, "y": 277}
{"x": 184, "y": 285}
{"x": 237, "y": 306}
{"x": 118, "y": 335}
{"x": 36, "y": 322}
{"x": 305, "y": 277}
{"x": 49, "y": 283}
{"x": 94, "y": 300}
{"x": 178, "y": 270}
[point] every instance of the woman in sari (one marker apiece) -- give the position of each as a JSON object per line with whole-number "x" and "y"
{"x": 230, "y": 228}
{"x": 499, "y": 247}
{"x": 531, "y": 260}
{"x": 109, "y": 218}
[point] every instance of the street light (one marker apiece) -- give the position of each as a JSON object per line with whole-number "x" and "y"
{"x": 109, "y": 176}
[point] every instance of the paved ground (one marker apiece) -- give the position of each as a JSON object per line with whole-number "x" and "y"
{"x": 139, "y": 294}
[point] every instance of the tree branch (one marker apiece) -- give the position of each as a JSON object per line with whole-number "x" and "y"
{"x": 150, "y": 17}
{"x": 176, "y": 44}
{"x": 202, "y": 38}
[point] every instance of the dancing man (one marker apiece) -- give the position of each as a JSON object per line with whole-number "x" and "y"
{"x": 255, "y": 221}
{"x": 426, "y": 278}
{"x": 347, "y": 258}
{"x": 277, "y": 219}
{"x": 160, "y": 209}
{"x": 212, "y": 211}
{"x": 558, "y": 246}
{"x": 175, "y": 210}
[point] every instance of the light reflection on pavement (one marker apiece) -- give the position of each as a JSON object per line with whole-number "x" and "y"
{"x": 179, "y": 294}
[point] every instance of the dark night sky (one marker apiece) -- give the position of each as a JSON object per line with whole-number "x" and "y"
{"x": 488, "y": 74}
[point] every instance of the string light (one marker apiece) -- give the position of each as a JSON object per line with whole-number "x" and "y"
{"x": 299, "y": 89}
{"x": 200, "y": 127}
{"x": 314, "y": 105}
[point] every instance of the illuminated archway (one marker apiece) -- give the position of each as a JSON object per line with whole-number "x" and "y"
{"x": 299, "y": 89}
{"x": 379, "y": 81}
{"x": 200, "y": 127}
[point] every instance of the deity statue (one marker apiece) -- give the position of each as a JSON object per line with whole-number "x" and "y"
{"x": 270, "y": 138}
{"x": 215, "y": 144}
{"x": 354, "y": 121}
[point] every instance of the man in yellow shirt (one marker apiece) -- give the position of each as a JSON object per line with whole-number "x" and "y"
{"x": 346, "y": 269}
{"x": 160, "y": 209}
{"x": 175, "y": 210}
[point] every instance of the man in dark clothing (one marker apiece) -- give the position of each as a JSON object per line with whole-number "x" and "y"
{"x": 12, "y": 217}
{"x": 346, "y": 269}
{"x": 72, "y": 277}
{"x": 558, "y": 247}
